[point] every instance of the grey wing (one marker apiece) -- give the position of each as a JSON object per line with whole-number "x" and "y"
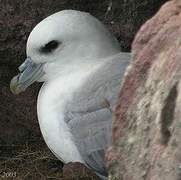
{"x": 88, "y": 117}
{"x": 92, "y": 133}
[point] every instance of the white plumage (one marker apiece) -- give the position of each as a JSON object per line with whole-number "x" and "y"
{"x": 82, "y": 74}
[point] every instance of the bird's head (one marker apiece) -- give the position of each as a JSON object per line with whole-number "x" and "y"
{"x": 61, "y": 43}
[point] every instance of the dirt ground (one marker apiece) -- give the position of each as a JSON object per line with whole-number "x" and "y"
{"x": 32, "y": 161}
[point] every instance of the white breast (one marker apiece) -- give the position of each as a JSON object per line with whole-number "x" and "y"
{"x": 51, "y": 101}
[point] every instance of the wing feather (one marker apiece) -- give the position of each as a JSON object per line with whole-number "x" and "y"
{"x": 88, "y": 119}
{"x": 92, "y": 135}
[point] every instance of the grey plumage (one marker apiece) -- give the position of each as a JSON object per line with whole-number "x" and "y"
{"x": 88, "y": 115}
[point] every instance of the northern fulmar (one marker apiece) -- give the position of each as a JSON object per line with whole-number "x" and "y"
{"x": 81, "y": 65}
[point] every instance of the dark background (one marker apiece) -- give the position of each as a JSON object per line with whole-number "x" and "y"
{"x": 18, "y": 120}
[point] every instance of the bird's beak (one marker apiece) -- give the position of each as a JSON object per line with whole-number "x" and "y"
{"x": 29, "y": 73}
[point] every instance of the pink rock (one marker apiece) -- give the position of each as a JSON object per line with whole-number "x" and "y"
{"x": 147, "y": 121}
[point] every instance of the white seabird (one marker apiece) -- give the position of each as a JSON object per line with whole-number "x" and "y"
{"x": 81, "y": 65}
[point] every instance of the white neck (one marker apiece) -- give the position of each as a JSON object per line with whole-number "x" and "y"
{"x": 67, "y": 67}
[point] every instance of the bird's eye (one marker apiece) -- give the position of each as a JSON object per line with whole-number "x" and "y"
{"x": 49, "y": 47}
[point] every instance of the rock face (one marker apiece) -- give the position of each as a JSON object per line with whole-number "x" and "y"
{"x": 18, "y": 122}
{"x": 147, "y": 123}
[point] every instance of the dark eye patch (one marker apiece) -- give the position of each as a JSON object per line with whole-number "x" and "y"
{"x": 49, "y": 47}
